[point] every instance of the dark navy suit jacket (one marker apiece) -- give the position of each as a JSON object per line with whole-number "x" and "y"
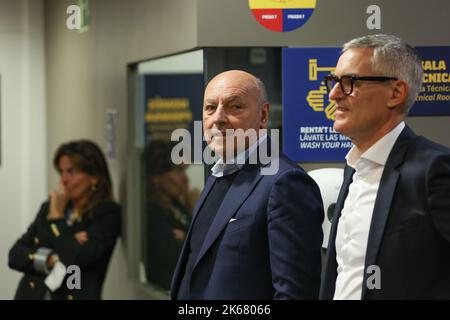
{"x": 271, "y": 250}
{"x": 409, "y": 237}
{"x": 102, "y": 223}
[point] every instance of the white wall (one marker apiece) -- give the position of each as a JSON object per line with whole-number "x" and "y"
{"x": 87, "y": 75}
{"x": 23, "y": 173}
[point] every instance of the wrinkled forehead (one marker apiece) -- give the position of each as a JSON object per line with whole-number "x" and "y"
{"x": 230, "y": 88}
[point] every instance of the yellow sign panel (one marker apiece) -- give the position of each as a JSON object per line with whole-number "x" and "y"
{"x": 282, "y": 4}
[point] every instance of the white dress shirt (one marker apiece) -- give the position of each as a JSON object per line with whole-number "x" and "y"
{"x": 356, "y": 215}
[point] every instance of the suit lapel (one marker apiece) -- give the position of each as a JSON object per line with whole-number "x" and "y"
{"x": 208, "y": 186}
{"x": 384, "y": 198}
{"x": 184, "y": 252}
{"x": 348, "y": 178}
{"x": 206, "y": 190}
{"x": 240, "y": 189}
{"x": 328, "y": 287}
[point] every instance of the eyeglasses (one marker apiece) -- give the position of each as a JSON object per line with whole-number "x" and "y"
{"x": 346, "y": 82}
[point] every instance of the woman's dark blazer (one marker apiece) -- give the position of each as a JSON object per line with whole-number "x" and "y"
{"x": 102, "y": 224}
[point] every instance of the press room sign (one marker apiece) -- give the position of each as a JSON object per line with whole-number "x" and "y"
{"x": 282, "y": 15}
{"x": 308, "y": 112}
{"x": 172, "y": 101}
{"x": 434, "y": 96}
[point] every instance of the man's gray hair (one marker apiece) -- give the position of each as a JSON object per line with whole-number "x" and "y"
{"x": 393, "y": 58}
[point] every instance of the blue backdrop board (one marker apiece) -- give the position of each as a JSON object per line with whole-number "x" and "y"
{"x": 172, "y": 101}
{"x": 308, "y": 114}
{"x": 434, "y": 97}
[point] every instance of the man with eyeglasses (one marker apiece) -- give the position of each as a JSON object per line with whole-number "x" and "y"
{"x": 390, "y": 236}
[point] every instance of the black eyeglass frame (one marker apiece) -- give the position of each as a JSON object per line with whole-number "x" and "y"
{"x": 336, "y": 79}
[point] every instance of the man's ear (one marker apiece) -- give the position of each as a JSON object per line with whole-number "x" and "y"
{"x": 264, "y": 116}
{"x": 399, "y": 94}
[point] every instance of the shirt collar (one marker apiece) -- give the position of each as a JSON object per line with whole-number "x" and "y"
{"x": 220, "y": 168}
{"x": 379, "y": 152}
